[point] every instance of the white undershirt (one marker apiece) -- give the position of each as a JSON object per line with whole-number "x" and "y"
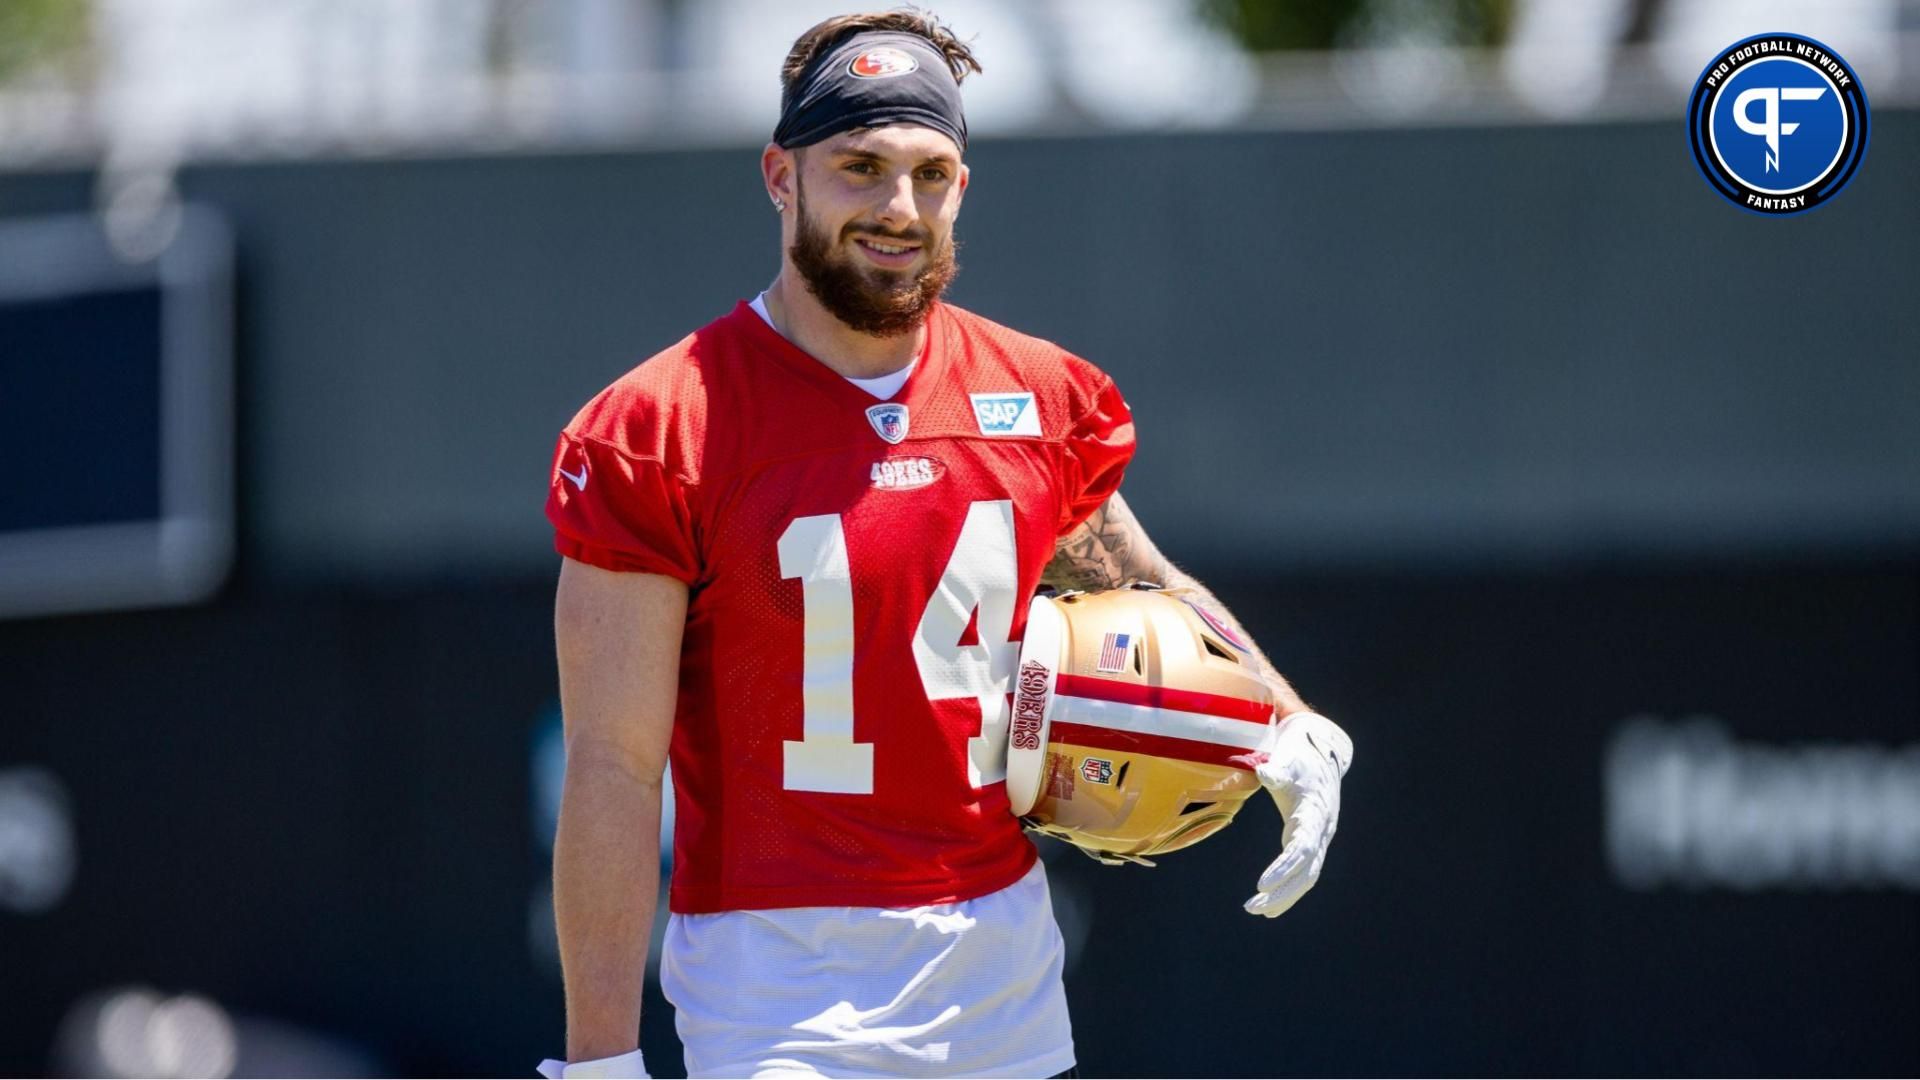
{"x": 880, "y": 386}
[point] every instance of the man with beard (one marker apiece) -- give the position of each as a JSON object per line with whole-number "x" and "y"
{"x": 798, "y": 546}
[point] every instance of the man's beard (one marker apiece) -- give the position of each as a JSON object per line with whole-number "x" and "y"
{"x": 884, "y": 303}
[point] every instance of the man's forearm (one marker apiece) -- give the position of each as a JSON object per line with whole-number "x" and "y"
{"x": 1110, "y": 551}
{"x": 606, "y": 879}
{"x": 1286, "y": 701}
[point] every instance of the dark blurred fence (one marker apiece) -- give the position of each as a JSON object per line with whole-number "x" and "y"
{"x": 1498, "y": 439}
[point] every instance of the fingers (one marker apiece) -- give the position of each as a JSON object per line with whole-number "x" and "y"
{"x": 1285, "y": 881}
{"x": 1290, "y": 863}
{"x": 1287, "y": 893}
{"x": 1307, "y": 830}
{"x": 1297, "y": 869}
{"x": 1302, "y": 773}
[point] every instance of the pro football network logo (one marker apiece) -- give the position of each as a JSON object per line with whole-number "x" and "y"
{"x": 882, "y": 63}
{"x": 1778, "y": 123}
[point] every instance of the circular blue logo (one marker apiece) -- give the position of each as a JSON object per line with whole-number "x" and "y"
{"x": 1778, "y": 123}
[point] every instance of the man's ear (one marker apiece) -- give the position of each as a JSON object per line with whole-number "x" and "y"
{"x": 778, "y": 169}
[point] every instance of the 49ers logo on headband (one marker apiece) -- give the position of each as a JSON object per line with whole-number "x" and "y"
{"x": 882, "y": 63}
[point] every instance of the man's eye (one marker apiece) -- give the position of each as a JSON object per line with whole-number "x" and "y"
{"x": 932, "y": 176}
{"x": 862, "y": 167}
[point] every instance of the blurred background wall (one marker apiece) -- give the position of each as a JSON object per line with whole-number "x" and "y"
{"x": 1586, "y": 501}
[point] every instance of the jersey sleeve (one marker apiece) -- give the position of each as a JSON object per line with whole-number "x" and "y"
{"x": 1097, "y": 451}
{"x": 620, "y": 511}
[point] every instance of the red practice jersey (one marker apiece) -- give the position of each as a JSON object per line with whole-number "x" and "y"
{"x": 859, "y": 573}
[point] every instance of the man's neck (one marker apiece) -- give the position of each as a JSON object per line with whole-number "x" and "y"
{"x": 798, "y": 316}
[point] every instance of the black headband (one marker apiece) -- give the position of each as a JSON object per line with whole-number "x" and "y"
{"x": 874, "y": 78}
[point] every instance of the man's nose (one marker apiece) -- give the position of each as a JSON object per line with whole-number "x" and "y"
{"x": 899, "y": 210}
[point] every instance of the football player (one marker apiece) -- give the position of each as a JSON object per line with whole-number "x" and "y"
{"x": 798, "y": 548}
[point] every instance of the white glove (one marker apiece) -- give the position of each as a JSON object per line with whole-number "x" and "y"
{"x": 629, "y": 1066}
{"x": 1306, "y": 755}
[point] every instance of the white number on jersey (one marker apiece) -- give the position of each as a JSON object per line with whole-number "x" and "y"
{"x": 981, "y": 574}
{"x": 814, "y": 549}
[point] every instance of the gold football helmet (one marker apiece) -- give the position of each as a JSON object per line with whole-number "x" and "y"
{"x": 1137, "y": 719}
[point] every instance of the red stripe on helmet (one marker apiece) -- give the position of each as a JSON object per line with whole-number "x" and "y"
{"x": 1164, "y": 697}
{"x": 1204, "y": 753}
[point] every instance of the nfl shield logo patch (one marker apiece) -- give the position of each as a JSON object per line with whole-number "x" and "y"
{"x": 889, "y": 421}
{"x": 1097, "y": 771}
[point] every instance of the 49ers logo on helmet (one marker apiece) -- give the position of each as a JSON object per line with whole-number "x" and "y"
{"x": 1030, "y": 705}
{"x": 1220, "y": 627}
{"x": 882, "y": 63}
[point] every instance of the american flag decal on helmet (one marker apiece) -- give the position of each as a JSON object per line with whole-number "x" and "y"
{"x": 1113, "y": 652}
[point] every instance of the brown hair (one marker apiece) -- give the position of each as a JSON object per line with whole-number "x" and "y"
{"x": 907, "y": 20}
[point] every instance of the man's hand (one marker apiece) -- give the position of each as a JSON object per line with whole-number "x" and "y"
{"x": 1306, "y": 755}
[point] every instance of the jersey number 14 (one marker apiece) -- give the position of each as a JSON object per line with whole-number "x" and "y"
{"x": 981, "y": 574}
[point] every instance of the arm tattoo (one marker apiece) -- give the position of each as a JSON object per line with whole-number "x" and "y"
{"x": 1110, "y": 550}
{"x": 1107, "y": 551}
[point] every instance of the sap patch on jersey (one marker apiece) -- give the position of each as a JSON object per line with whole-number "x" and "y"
{"x": 1006, "y": 414}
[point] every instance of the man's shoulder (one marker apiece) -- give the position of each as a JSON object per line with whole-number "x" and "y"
{"x": 1054, "y": 374}
{"x": 982, "y": 332}
{"x": 658, "y": 409}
